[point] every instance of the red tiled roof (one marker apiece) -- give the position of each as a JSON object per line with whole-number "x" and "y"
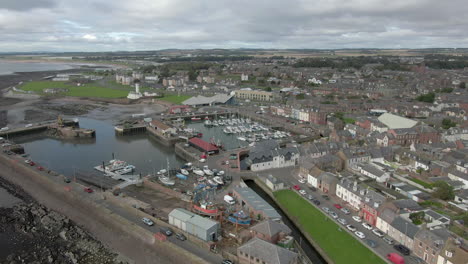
{"x": 203, "y": 144}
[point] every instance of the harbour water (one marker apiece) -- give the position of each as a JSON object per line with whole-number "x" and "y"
{"x": 70, "y": 156}
{"x": 9, "y": 67}
{"x": 229, "y": 141}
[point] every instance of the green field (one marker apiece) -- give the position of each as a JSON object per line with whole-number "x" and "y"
{"x": 175, "y": 99}
{"x": 338, "y": 244}
{"x": 87, "y": 90}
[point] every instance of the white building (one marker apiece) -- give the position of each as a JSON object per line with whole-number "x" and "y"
{"x": 244, "y": 77}
{"x": 373, "y": 172}
{"x": 133, "y": 95}
{"x": 459, "y": 176}
{"x": 267, "y": 155}
{"x": 348, "y": 191}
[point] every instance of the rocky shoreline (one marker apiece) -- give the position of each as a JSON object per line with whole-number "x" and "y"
{"x": 33, "y": 234}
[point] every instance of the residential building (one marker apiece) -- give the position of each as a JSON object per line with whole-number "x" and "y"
{"x": 373, "y": 172}
{"x": 273, "y": 183}
{"x": 254, "y": 95}
{"x": 457, "y": 175}
{"x": 352, "y": 157}
{"x": 370, "y": 206}
{"x": 267, "y": 155}
{"x": 428, "y": 244}
{"x": 384, "y": 219}
{"x": 200, "y": 227}
{"x": 403, "y": 231}
{"x": 162, "y": 128}
{"x": 257, "y": 250}
{"x": 455, "y": 251}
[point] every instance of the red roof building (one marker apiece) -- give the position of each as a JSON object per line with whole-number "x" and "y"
{"x": 202, "y": 145}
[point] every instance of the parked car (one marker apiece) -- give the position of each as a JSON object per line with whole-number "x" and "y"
{"x": 316, "y": 202}
{"x": 402, "y": 249}
{"x": 357, "y": 219}
{"x": 302, "y": 192}
{"x": 342, "y": 221}
{"x": 378, "y": 233}
{"x": 310, "y": 197}
{"x": 395, "y": 258}
{"x": 326, "y": 209}
{"x": 181, "y": 237}
{"x": 227, "y": 261}
{"x": 312, "y": 188}
{"x": 388, "y": 240}
{"x": 88, "y": 190}
{"x": 351, "y": 228}
{"x": 345, "y": 211}
{"x": 334, "y": 215}
{"x": 360, "y": 234}
{"x": 302, "y": 180}
{"x": 147, "y": 221}
{"x": 371, "y": 243}
{"x": 167, "y": 231}
{"x": 367, "y": 226}
{"x": 66, "y": 180}
{"x": 337, "y": 206}
{"x": 296, "y": 187}
{"x": 326, "y": 197}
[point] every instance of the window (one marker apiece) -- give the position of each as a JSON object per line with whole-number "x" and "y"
{"x": 448, "y": 253}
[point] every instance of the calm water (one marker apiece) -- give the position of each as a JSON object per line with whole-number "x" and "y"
{"x": 7, "y": 67}
{"x": 65, "y": 156}
{"x": 229, "y": 141}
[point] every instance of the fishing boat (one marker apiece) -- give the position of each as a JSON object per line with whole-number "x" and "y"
{"x": 184, "y": 172}
{"x": 181, "y": 176}
{"x": 199, "y": 172}
{"x": 162, "y": 172}
{"x": 125, "y": 170}
{"x": 218, "y": 180}
{"x": 201, "y": 179}
{"x": 112, "y": 166}
{"x": 207, "y": 118}
{"x": 240, "y": 218}
{"x": 207, "y": 208}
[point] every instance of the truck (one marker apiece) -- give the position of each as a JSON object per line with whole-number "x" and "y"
{"x": 229, "y": 200}
{"x": 395, "y": 258}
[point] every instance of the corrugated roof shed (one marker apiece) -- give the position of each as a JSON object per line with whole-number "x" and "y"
{"x": 257, "y": 202}
{"x": 393, "y": 121}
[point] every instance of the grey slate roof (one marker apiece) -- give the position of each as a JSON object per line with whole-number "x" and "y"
{"x": 257, "y": 202}
{"x": 271, "y": 228}
{"x": 405, "y": 227}
{"x": 407, "y": 204}
{"x": 265, "y": 251}
{"x": 266, "y": 150}
{"x": 201, "y": 100}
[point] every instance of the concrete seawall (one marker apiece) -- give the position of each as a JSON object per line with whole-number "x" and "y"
{"x": 114, "y": 231}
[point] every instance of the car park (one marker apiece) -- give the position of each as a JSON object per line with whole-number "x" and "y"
{"x": 334, "y": 215}
{"x": 357, "y": 219}
{"x": 360, "y": 234}
{"x": 296, "y": 187}
{"x": 367, "y": 226}
{"x": 147, "y": 221}
{"x": 388, "y": 240}
{"x": 337, "y": 206}
{"x": 181, "y": 237}
{"x": 371, "y": 243}
{"x": 302, "y": 192}
{"x": 402, "y": 249}
{"x": 351, "y": 228}
{"x": 326, "y": 209}
{"x": 345, "y": 211}
{"x": 342, "y": 221}
{"x": 378, "y": 233}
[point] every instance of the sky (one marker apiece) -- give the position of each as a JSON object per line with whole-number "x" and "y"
{"x": 111, "y": 25}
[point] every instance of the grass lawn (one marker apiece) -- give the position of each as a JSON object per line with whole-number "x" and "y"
{"x": 175, "y": 99}
{"x": 87, "y": 90}
{"x": 422, "y": 183}
{"x": 340, "y": 246}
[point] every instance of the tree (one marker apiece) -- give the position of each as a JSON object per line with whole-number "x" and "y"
{"x": 300, "y": 96}
{"x": 268, "y": 89}
{"x": 417, "y": 218}
{"x": 428, "y": 98}
{"x": 447, "y": 123}
{"x": 443, "y": 191}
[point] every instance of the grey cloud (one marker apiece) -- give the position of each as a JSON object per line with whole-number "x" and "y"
{"x": 25, "y": 5}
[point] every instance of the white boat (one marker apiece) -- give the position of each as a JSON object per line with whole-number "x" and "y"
{"x": 211, "y": 182}
{"x": 199, "y": 172}
{"x": 208, "y": 123}
{"x": 202, "y": 160}
{"x": 218, "y": 180}
{"x": 220, "y": 173}
{"x": 125, "y": 170}
{"x": 200, "y": 179}
{"x": 115, "y": 165}
{"x": 163, "y": 171}
{"x": 241, "y": 138}
{"x": 184, "y": 172}
{"x": 208, "y": 172}
{"x": 188, "y": 164}
{"x": 166, "y": 180}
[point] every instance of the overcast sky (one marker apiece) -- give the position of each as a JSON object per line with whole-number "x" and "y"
{"x": 109, "y": 25}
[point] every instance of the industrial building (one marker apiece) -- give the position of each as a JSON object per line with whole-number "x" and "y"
{"x": 217, "y": 99}
{"x": 254, "y": 204}
{"x": 203, "y": 146}
{"x": 254, "y": 95}
{"x": 200, "y": 227}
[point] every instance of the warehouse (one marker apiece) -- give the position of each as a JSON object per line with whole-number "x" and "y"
{"x": 200, "y": 227}
{"x": 254, "y": 204}
{"x": 203, "y": 146}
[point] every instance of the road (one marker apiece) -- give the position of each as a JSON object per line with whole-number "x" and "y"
{"x": 382, "y": 247}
